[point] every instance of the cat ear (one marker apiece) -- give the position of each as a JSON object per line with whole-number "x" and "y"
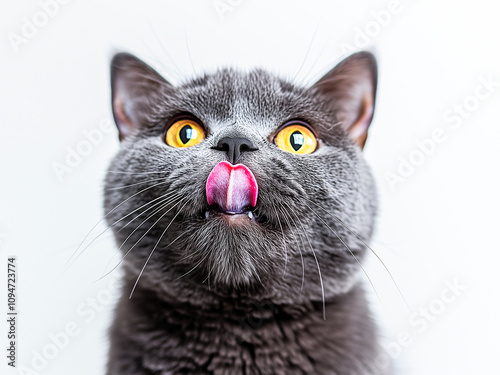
{"x": 350, "y": 90}
{"x": 135, "y": 89}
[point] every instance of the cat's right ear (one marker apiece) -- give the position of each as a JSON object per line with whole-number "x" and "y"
{"x": 349, "y": 89}
{"x": 136, "y": 89}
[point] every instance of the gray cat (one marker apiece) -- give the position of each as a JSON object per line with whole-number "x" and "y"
{"x": 242, "y": 205}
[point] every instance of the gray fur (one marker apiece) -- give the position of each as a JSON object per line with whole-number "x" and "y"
{"x": 238, "y": 299}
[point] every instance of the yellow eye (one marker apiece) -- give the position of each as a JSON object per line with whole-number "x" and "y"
{"x": 297, "y": 139}
{"x": 184, "y": 133}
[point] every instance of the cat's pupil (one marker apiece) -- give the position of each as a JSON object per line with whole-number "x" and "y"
{"x": 187, "y": 133}
{"x": 297, "y": 140}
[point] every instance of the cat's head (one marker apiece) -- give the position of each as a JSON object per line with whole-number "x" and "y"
{"x": 242, "y": 182}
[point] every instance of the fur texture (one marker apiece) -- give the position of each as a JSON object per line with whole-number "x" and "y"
{"x": 211, "y": 296}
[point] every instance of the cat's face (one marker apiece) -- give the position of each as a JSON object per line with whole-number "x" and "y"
{"x": 285, "y": 225}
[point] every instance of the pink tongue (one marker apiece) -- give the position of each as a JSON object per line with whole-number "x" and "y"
{"x": 232, "y": 187}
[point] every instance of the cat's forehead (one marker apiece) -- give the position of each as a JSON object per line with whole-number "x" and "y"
{"x": 238, "y": 82}
{"x": 230, "y": 96}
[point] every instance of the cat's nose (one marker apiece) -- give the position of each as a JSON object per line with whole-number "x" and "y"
{"x": 234, "y": 147}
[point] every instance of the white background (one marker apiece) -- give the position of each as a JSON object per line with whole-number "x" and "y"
{"x": 437, "y": 225}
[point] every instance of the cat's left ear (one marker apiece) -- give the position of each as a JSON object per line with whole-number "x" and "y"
{"x": 136, "y": 89}
{"x": 350, "y": 90}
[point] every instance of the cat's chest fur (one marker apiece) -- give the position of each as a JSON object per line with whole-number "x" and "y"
{"x": 245, "y": 338}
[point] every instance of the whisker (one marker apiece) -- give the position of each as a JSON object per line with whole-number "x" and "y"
{"x": 166, "y": 198}
{"x": 180, "y": 72}
{"x": 255, "y": 262}
{"x": 154, "y": 248}
{"x": 189, "y": 255}
{"x": 135, "y": 173}
{"x": 128, "y": 252}
{"x": 165, "y": 68}
{"x": 164, "y": 203}
{"x": 135, "y": 184}
{"x": 284, "y": 241}
{"x": 123, "y": 243}
{"x": 300, "y": 243}
{"x": 189, "y": 51}
{"x": 210, "y": 268}
{"x": 307, "y": 53}
{"x": 100, "y": 221}
{"x": 304, "y": 81}
{"x": 373, "y": 251}
{"x": 195, "y": 266}
{"x": 350, "y": 251}
{"x": 151, "y": 227}
{"x": 317, "y": 263}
